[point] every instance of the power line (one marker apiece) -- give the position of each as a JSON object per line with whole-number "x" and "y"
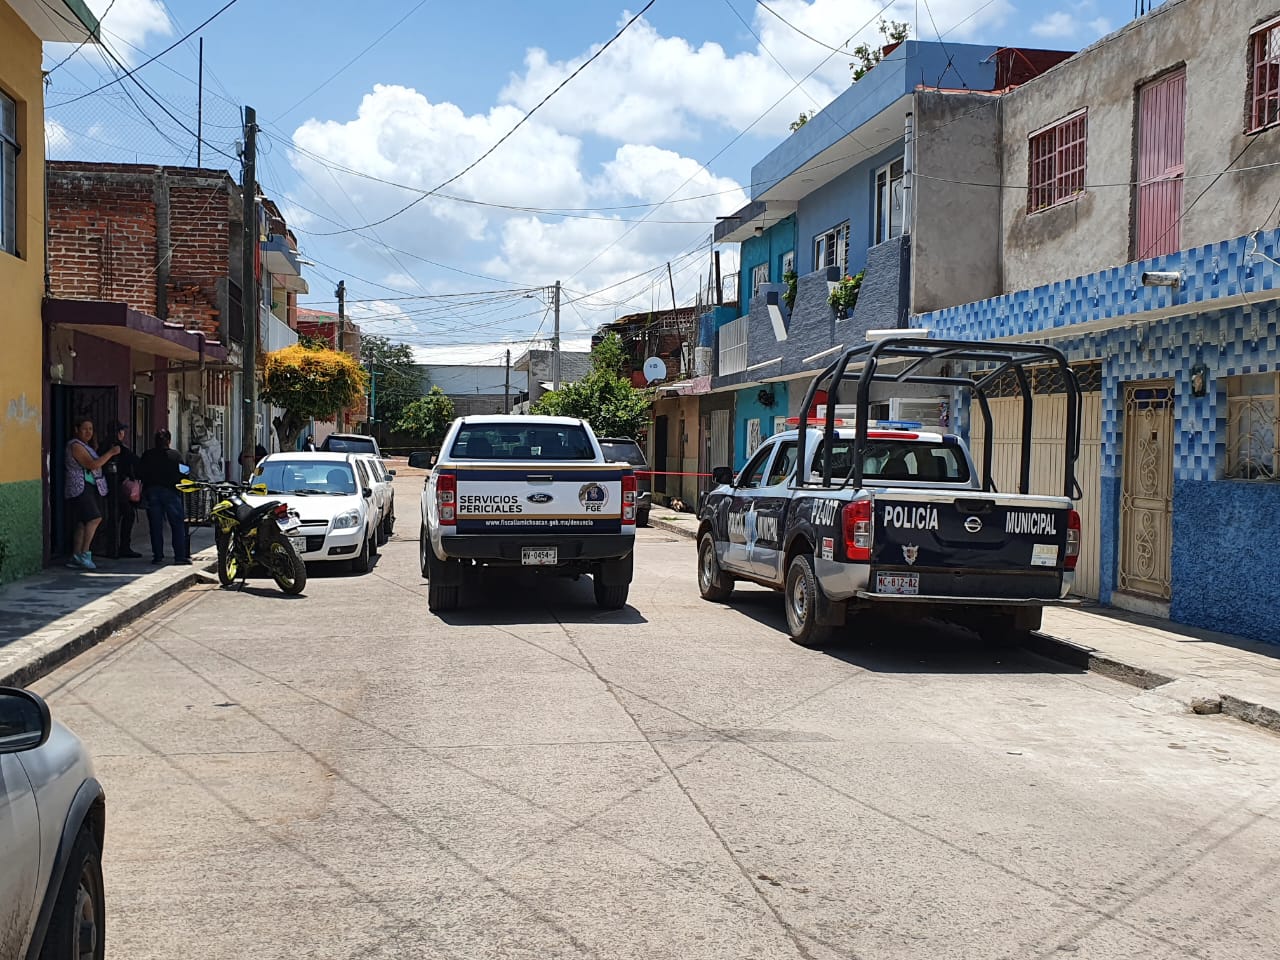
{"x": 519, "y": 123}
{"x": 79, "y": 46}
{"x": 130, "y": 72}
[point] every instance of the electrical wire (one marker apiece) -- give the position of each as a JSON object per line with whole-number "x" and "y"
{"x": 519, "y": 123}
{"x": 79, "y": 46}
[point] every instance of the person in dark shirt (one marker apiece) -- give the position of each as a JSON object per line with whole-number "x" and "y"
{"x": 126, "y": 470}
{"x": 159, "y": 469}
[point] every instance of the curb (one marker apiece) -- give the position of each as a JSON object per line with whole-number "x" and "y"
{"x": 73, "y": 646}
{"x": 675, "y": 528}
{"x": 1085, "y": 658}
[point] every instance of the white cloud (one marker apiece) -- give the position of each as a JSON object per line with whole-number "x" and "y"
{"x": 56, "y": 136}
{"x": 129, "y": 24}
{"x": 1100, "y": 25}
{"x": 1058, "y": 25}
{"x": 648, "y": 87}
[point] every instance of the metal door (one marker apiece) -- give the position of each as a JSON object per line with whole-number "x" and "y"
{"x": 1048, "y": 428}
{"x": 1161, "y": 122}
{"x": 771, "y": 502}
{"x": 660, "y": 466}
{"x": 70, "y": 404}
{"x": 1146, "y": 491}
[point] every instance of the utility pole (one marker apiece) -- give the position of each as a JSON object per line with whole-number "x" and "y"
{"x": 506, "y": 387}
{"x": 373, "y": 397}
{"x": 719, "y": 286}
{"x": 555, "y": 344}
{"x": 341, "y": 294}
{"x": 200, "y": 104}
{"x": 249, "y": 290}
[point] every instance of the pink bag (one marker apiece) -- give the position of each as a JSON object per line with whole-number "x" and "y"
{"x": 132, "y": 489}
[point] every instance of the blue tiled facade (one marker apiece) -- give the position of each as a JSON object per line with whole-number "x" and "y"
{"x": 1226, "y": 568}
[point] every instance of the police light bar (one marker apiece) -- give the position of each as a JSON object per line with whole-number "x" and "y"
{"x": 871, "y": 424}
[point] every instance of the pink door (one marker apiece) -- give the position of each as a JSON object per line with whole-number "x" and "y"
{"x": 1161, "y": 121}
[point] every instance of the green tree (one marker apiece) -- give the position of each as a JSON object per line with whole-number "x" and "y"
{"x": 399, "y": 382}
{"x": 604, "y": 397}
{"x": 427, "y": 418}
{"x": 892, "y": 31}
{"x": 309, "y": 384}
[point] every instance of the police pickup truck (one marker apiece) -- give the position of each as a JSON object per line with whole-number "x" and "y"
{"x": 845, "y": 513}
{"x": 527, "y": 492}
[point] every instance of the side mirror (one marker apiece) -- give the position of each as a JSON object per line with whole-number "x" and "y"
{"x": 25, "y": 722}
{"x": 722, "y": 476}
{"x": 368, "y": 492}
{"x": 391, "y": 473}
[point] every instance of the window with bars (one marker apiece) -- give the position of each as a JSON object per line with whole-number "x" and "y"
{"x": 8, "y": 174}
{"x": 1057, "y": 163}
{"x": 1264, "y": 76}
{"x": 831, "y": 249}
{"x": 1253, "y": 427}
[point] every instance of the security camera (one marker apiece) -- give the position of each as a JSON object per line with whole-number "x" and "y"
{"x": 1161, "y": 278}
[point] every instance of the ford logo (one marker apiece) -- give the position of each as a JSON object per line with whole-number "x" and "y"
{"x": 973, "y": 524}
{"x": 539, "y": 498}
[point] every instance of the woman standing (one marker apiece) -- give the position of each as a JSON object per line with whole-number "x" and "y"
{"x": 85, "y": 488}
{"x": 126, "y": 470}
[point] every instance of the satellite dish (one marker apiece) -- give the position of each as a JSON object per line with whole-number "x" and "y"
{"x": 654, "y": 369}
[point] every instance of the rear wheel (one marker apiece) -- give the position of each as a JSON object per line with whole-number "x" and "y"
{"x": 424, "y": 548}
{"x": 713, "y": 584}
{"x": 287, "y": 568}
{"x": 611, "y": 596}
{"x": 642, "y": 518}
{"x": 77, "y": 926}
{"x": 802, "y": 599}
{"x": 442, "y": 595}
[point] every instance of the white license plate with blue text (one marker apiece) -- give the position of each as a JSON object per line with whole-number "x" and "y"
{"x": 539, "y": 556}
{"x": 898, "y": 584}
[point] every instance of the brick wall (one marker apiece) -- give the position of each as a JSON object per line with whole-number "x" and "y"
{"x": 107, "y": 224}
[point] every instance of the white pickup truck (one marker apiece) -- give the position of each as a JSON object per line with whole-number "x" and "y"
{"x": 529, "y": 492}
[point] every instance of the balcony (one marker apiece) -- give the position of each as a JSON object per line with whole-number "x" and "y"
{"x": 281, "y": 261}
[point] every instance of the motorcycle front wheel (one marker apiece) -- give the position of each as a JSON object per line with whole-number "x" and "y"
{"x": 287, "y": 568}
{"x": 228, "y": 565}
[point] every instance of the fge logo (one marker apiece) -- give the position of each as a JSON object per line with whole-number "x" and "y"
{"x": 593, "y": 497}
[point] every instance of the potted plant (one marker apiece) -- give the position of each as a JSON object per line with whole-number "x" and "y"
{"x": 844, "y": 295}
{"x": 789, "y": 296}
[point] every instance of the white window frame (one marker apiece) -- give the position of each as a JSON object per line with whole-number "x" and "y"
{"x": 1253, "y": 427}
{"x": 10, "y": 149}
{"x": 759, "y": 275}
{"x": 831, "y": 249}
{"x": 885, "y": 182}
{"x": 788, "y": 261}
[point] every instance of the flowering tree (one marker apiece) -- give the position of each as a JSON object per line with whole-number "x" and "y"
{"x": 309, "y": 385}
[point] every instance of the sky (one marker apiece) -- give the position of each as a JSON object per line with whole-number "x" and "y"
{"x": 363, "y": 108}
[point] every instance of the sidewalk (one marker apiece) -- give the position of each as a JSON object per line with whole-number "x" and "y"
{"x": 49, "y": 617}
{"x": 1197, "y": 670}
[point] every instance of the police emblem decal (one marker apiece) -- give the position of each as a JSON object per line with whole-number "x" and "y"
{"x": 909, "y": 552}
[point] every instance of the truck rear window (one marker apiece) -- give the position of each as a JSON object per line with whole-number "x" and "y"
{"x": 501, "y": 441}
{"x": 899, "y": 460}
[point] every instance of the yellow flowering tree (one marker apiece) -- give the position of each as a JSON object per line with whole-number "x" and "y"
{"x": 309, "y": 384}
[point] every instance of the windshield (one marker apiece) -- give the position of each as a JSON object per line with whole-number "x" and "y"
{"x": 334, "y": 444}
{"x": 622, "y": 451}
{"x": 898, "y": 461}
{"x": 530, "y": 441}
{"x": 308, "y": 477}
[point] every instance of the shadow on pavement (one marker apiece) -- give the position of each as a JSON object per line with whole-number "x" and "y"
{"x": 512, "y": 597}
{"x": 883, "y": 643}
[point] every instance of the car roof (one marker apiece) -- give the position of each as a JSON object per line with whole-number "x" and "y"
{"x": 515, "y": 419}
{"x": 873, "y": 433}
{"x": 351, "y": 436}
{"x": 327, "y": 455}
{"x": 618, "y": 440}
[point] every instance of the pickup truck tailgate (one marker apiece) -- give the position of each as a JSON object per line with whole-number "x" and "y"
{"x": 969, "y": 545}
{"x": 546, "y": 498}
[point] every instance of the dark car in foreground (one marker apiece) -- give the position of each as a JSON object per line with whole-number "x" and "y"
{"x": 623, "y": 450}
{"x": 52, "y": 818}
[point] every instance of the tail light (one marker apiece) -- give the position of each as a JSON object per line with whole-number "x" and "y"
{"x": 1073, "y": 541}
{"x": 629, "y": 499}
{"x": 282, "y": 511}
{"x": 447, "y": 499}
{"x": 857, "y": 530}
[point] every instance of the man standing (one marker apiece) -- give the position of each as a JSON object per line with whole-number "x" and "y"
{"x": 160, "y": 471}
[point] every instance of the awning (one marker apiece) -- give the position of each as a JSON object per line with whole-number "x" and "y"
{"x": 136, "y": 330}
{"x": 281, "y": 261}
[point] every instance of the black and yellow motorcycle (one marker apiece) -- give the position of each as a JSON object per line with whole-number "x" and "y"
{"x": 253, "y": 535}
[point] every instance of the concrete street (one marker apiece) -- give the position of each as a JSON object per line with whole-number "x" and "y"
{"x": 346, "y": 775}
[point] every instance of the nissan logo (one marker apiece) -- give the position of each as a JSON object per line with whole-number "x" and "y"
{"x": 973, "y": 524}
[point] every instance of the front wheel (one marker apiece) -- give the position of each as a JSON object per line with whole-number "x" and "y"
{"x": 287, "y": 568}
{"x": 363, "y": 562}
{"x": 712, "y": 582}
{"x": 77, "y": 926}
{"x": 228, "y": 563}
{"x": 802, "y": 599}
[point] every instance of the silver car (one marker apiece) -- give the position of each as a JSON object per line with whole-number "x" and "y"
{"x": 52, "y": 817}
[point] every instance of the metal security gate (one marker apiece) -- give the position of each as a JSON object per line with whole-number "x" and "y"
{"x": 1146, "y": 491}
{"x": 1048, "y": 427}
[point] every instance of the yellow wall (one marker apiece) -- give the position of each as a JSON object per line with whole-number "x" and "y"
{"x": 21, "y": 289}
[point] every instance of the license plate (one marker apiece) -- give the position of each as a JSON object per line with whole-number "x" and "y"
{"x": 898, "y": 584}
{"x": 299, "y": 544}
{"x": 539, "y": 556}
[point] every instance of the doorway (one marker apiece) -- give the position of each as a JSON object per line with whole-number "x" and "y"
{"x": 1161, "y": 124}
{"x": 70, "y": 403}
{"x": 1146, "y": 492}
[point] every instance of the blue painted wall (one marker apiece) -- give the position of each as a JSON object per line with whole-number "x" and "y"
{"x": 747, "y": 406}
{"x": 850, "y": 196}
{"x": 1226, "y": 566}
{"x": 770, "y": 247}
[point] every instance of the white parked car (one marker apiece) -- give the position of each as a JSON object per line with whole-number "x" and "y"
{"x": 334, "y": 500}
{"x": 383, "y": 493}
